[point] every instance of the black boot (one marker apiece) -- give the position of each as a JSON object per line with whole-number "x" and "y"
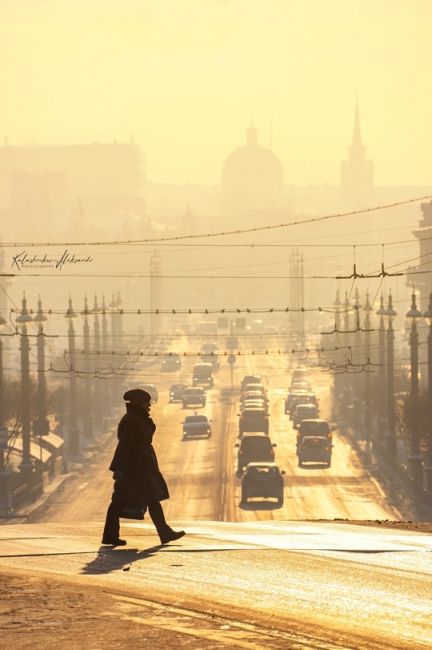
{"x": 170, "y": 535}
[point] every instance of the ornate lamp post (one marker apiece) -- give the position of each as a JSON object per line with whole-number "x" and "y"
{"x": 4, "y": 436}
{"x": 26, "y": 464}
{"x": 98, "y": 396}
{"x": 73, "y": 438}
{"x": 428, "y": 468}
{"x": 367, "y": 377}
{"x": 381, "y": 392}
{"x": 87, "y": 397}
{"x": 390, "y": 430}
{"x": 414, "y": 459}
{"x": 41, "y": 424}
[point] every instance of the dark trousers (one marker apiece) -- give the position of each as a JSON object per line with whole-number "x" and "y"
{"x": 112, "y": 523}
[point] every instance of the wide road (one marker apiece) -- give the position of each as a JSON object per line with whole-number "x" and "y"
{"x": 284, "y": 585}
{"x": 201, "y": 472}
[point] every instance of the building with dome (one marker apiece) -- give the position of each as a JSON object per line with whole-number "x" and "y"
{"x": 251, "y": 178}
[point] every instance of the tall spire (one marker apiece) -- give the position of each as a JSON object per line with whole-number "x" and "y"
{"x": 357, "y": 143}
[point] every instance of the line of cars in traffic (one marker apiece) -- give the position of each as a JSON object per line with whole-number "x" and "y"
{"x": 197, "y": 425}
{"x": 314, "y": 435}
{"x": 260, "y": 475}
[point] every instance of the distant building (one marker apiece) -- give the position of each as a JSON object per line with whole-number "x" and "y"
{"x": 41, "y": 185}
{"x": 423, "y": 233}
{"x": 251, "y": 178}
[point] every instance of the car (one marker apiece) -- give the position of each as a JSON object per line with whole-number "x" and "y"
{"x": 196, "y": 425}
{"x": 293, "y": 394}
{"x": 253, "y": 394}
{"x": 253, "y": 403}
{"x": 254, "y": 447}
{"x": 256, "y": 387}
{"x": 253, "y": 419}
{"x": 315, "y": 449}
{"x": 209, "y": 354}
{"x": 171, "y": 363}
{"x": 304, "y": 412}
{"x": 301, "y": 397}
{"x": 203, "y": 374}
{"x": 299, "y": 374}
{"x": 193, "y": 396}
{"x": 176, "y": 392}
{"x": 314, "y": 427}
{"x": 250, "y": 379}
{"x": 152, "y": 391}
{"x": 301, "y": 385}
{"x": 262, "y": 480}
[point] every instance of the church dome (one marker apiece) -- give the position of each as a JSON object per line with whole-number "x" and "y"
{"x": 252, "y": 176}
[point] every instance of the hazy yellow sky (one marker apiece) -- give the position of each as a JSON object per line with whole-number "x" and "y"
{"x": 186, "y": 76}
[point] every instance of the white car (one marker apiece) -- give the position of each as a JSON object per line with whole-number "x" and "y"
{"x": 196, "y": 425}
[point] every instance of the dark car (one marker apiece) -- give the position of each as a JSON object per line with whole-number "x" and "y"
{"x": 250, "y": 379}
{"x": 254, "y": 419}
{"x": 193, "y": 397}
{"x": 152, "y": 391}
{"x": 196, "y": 425}
{"x": 209, "y": 354}
{"x": 203, "y": 375}
{"x": 176, "y": 392}
{"x": 254, "y": 447}
{"x": 299, "y": 397}
{"x": 292, "y": 394}
{"x": 254, "y": 403}
{"x": 315, "y": 449}
{"x": 304, "y": 411}
{"x": 315, "y": 428}
{"x": 262, "y": 480}
{"x": 171, "y": 363}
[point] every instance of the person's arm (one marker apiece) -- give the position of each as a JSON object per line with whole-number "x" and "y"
{"x": 124, "y": 448}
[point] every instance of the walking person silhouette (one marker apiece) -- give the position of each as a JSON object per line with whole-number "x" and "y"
{"x": 138, "y": 482}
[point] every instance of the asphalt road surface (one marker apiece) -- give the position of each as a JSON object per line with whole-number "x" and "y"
{"x": 249, "y": 585}
{"x": 201, "y": 472}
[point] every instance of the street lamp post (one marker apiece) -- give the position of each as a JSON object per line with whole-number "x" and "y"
{"x": 367, "y": 378}
{"x": 87, "y": 397}
{"x": 98, "y": 398}
{"x": 26, "y": 466}
{"x": 4, "y": 436}
{"x": 428, "y": 468}
{"x": 414, "y": 459}
{"x": 390, "y": 430}
{"x": 381, "y": 392}
{"x": 41, "y": 424}
{"x": 73, "y": 437}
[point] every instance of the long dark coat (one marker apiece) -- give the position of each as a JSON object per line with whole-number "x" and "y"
{"x": 142, "y": 482}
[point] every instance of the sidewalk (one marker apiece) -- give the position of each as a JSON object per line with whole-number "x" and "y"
{"x": 29, "y": 510}
{"x": 47, "y": 613}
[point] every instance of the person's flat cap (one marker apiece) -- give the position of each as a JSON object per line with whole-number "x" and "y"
{"x": 137, "y": 395}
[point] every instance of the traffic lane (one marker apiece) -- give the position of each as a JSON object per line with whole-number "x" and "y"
{"x": 194, "y": 468}
{"x": 289, "y": 576}
{"x": 346, "y": 490}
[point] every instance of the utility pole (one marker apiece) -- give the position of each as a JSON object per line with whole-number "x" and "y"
{"x": 414, "y": 459}
{"x": 367, "y": 378}
{"x": 428, "y": 468}
{"x": 98, "y": 407}
{"x": 73, "y": 438}
{"x": 87, "y": 397}
{"x": 381, "y": 392}
{"x": 4, "y": 441}
{"x": 41, "y": 424}
{"x": 390, "y": 432}
{"x": 26, "y": 466}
